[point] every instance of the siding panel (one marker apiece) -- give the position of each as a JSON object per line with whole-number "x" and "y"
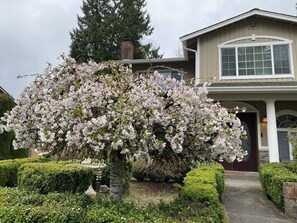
{"x": 209, "y": 57}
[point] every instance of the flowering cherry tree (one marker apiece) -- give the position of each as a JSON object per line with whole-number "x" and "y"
{"x": 105, "y": 111}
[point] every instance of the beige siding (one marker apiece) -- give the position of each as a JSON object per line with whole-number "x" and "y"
{"x": 209, "y": 53}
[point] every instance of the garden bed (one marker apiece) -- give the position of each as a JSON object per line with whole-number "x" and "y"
{"x": 197, "y": 200}
{"x": 144, "y": 193}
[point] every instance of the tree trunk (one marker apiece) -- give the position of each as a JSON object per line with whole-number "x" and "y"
{"x": 117, "y": 173}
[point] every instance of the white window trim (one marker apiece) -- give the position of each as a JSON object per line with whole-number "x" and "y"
{"x": 253, "y": 37}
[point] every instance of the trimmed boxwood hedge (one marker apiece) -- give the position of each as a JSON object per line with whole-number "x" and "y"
{"x": 43, "y": 176}
{"x": 205, "y": 185}
{"x": 198, "y": 202}
{"x": 28, "y": 207}
{"x": 9, "y": 170}
{"x": 272, "y": 177}
{"x": 50, "y": 177}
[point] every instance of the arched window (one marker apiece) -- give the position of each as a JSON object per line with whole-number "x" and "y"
{"x": 286, "y": 121}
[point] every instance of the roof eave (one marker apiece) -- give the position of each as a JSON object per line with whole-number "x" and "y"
{"x": 156, "y": 60}
{"x": 2, "y": 89}
{"x": 254, "y": 89}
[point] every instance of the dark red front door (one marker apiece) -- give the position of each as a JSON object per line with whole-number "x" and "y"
{"x": 250, "y": 161}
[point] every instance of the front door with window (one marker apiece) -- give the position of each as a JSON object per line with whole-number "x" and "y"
{"x": 249, "y": 163}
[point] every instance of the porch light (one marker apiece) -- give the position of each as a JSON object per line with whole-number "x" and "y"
{"x": 264, "y": 119}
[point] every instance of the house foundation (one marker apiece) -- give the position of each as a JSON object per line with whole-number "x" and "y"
{"x": 263, "y": 157}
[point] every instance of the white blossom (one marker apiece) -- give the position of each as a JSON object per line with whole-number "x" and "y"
{"x": 95, "y": 108}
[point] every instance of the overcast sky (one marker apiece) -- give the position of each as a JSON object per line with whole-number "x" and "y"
{"x": 34, "y": 32}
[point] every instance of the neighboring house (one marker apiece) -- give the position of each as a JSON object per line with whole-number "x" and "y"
{"x": 2, "y": 91}
{"x": 251, "y": 61}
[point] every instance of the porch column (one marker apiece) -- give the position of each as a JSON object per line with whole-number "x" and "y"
{"x": 272, "y": 131}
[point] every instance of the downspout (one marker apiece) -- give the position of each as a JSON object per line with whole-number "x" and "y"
{"x": 197, "y": 60}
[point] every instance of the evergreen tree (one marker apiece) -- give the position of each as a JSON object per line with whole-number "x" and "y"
{"x": 6, "y": 104}
{"x": 105, "y": 24}
{"x": 134, "y": 23}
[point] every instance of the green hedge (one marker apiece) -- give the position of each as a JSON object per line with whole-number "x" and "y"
{"x": 44, "y": 176}
{"x": 198, "y": 202}
{"x": 292, "y": 166}
{"x": 27, "y": 207}
{"x": 9, "y": 170}
{"x": 50, "y": 177}
{"x": 205, "y": 185}
{"x": 272, "y": 177}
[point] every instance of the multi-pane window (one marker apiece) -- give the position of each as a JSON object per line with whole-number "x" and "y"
{"x": 165, "y": 73}
{"x": 255, "y": 60}
{"x": 228, "y": 62}
{"x": 172, "y": 74}
{"x": 281, "y": 59}
{"x": 168, "y": 74}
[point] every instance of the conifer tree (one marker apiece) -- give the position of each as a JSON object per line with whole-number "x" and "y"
{"x": 105, "y": 24}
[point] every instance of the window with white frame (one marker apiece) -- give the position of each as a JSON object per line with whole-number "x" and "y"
{"x": 247, "y": 61}
{"x": 177, "y": 75}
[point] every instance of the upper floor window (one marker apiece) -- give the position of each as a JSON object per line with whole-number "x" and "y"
{"x": 167, "y": 73}
{"x": 248, "y": 61}
{"x": 171, "y": 74}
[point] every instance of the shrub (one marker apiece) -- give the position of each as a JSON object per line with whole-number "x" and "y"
{"x": 139, "y": 169}
{"x": 8, "y": 173}
{"x": 219, "y": 175}
{"x": 9, "y": 170}
{"x": 198, "y": 202}
{"x": 6, "y": 104}
{"x": 24, "y": 206}
{"x": 272, "y": 177}
{"x": 27, "y": 207}
{"x": 19, "y": 153}
{"x": 292, "y": 166}
{"x": 6, "y": 138}
{"x": 159, "y": 171}
{"x": 204, "y": 186}
{"x": 50, "y": 177}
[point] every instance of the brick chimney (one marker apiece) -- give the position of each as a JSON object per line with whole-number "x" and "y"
{"x": 126, "y": 49}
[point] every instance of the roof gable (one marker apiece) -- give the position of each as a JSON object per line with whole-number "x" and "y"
{"x": 253, "y": 12}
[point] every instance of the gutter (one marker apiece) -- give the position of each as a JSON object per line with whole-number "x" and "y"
{"x": 156, "y": 60}
{"x": 252, "y": 89}
{"x": 197, "y": 73}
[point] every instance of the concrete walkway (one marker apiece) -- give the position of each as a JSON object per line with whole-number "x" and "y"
{"x": 246, "y": 202}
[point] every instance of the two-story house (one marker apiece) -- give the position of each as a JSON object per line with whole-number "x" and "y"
{"x": 251, "y": 61}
